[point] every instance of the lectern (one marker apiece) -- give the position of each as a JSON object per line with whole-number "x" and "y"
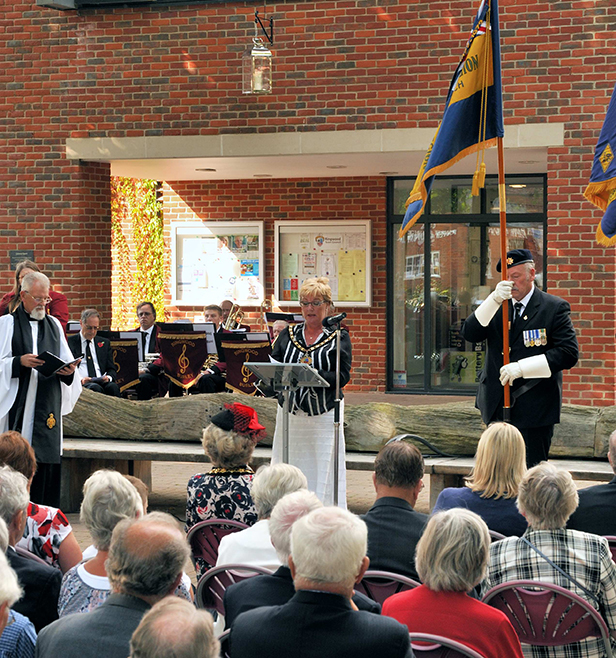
{"x": 284, "y": 378}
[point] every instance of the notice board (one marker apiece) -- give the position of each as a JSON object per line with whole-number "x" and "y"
{"x": 216, "y": 261}
{"x": 339, "y": 250}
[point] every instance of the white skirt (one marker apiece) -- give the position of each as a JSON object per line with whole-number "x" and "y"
{"x": 311, "y": 449}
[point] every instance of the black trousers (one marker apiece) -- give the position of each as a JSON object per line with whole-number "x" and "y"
{"x": 538, "y": 441}
{"x": 110, "y": 388}
{"x": 45, "y": 489}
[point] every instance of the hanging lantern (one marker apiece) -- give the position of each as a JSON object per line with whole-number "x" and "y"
{"x": 257, "y": 69}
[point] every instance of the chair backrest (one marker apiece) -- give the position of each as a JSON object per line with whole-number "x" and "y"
{"x": 496, "y": 536}
{"x": 211, "y": 588}
{"x": 544, "y": 614}
{"x": 31, "y": 556}
{"x": 380, "y": 585}
{"x": 224, "y": 644}
{"x": 437, "y": 646}
{"x": 611, "y": 540}
{"x": 204, "y": 538}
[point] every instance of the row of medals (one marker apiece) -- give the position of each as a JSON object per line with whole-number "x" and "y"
{"x": 535, "y": 337}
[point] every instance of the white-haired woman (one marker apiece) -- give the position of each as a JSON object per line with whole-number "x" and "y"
{"x": 547, "y": 498}
{"x": 224, "y": 492}
{"x": 451, "y": 560}
{"x": 492, "y": 487}
{"x": 311, "y": 417}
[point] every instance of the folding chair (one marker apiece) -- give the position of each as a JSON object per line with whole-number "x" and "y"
{"x": 544, "y": 614}
{"x": 211, "y": 588}
{"x": 440, "y": 647}
{"x": 496, "y": 536}
{"x": 204, "y": 538}
{"x": 380, "y": 585}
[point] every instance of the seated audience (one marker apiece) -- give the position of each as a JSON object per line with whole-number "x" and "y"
{"x": 596, "y": 511}
{"x": 492, "y": 487}
{"x": 151, "y": 378}
{"x": 146, "y": 559}
{"x": 394, "y": 527}
{"x": 57, "y": 306}
{"x": 40, "y": 582}
{"x": 547, "y": 497}
{"x": 97, "y": 369}
{"x": 48, "y": 533}
{"x": 175, "y": 629}
{"x": 224, "y": 492}
{"x": 328, "y": 556}
{"x": 451, "y": 560}
{"x": 108, "y": 498}
{"x": 253, "y": 545}
{"x": 17, "y": 634}
{"x": 278, "y": 588}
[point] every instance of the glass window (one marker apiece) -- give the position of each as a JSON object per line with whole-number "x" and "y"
{"x": 524, "y": 195}
{"x": 429, "y": 305}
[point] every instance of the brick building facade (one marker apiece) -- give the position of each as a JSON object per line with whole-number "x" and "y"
{"x": 88, "y": 88}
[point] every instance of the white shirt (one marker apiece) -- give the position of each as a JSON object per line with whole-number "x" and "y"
{"x": 148, "y": 336}
{"x": 83, "y": 366}
{"x": 524, "y": 301}
{"x": 251, "y": 546}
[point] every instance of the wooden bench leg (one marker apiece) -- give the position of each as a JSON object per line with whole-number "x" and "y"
{"x": 75, "y": 471}
{"x": 440, "y": 481}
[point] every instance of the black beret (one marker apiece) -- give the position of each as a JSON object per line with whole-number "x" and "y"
{"x": 516, "y": 257}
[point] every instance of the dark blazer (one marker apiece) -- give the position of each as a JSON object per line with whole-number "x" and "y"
{"x": 535, "y": 402}
{"x": 104, "y": 354}
{"x": 105, "y": 631}
{"x": 41, "y": 585}
{"x": 276, "y": 589}
{"x": 394, "y": 528}
{"x": 596, "y": 512}
{"x": 317, "y": 625}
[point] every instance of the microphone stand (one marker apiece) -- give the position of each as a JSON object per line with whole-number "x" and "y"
{"x": 330, "y": 322}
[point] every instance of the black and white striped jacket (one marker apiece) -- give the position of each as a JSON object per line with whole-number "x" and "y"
{"x": 290, "y": 347}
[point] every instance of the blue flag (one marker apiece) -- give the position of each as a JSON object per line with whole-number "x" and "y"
{"x": 601, "y": 188}
{"x": 473, "y": 116}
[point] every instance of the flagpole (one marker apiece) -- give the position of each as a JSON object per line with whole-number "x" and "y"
{"x": 502, "y": 203}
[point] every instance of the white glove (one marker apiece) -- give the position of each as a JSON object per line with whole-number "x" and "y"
{"x": 492, "y": 303}
{"x": 502, "y": 291}
{"x": 509, "y": 373}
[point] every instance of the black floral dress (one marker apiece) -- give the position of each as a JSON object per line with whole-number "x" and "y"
{"x": 220, "y": 494}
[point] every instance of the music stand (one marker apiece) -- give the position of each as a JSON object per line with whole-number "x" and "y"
{"x": 284, "y": 378}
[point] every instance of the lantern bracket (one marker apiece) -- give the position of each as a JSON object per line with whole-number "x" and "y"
{"x": 259, "y": 23}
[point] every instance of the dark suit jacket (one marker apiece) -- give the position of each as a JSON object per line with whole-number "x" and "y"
{"x": 535, "y": 402}
{"x": 596, "y": 512}
{"x": 276, "y": 589}
{"x": 104, "y": 355}
{"x": 394, "y": 528}
{"x": 106, "y": 631}
{"x": 41, "y": 585}
{"x": 317, "y": 625}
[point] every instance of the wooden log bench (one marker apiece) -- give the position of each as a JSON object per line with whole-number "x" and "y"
{"x": 83, "y": 456}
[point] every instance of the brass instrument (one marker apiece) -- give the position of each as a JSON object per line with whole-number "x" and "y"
{"x": 266, "y": 305}
{"x": 234, "y": 320}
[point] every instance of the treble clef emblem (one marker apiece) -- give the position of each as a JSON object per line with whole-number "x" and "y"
{"x": 183, "y": 360}
{"x": 246, "y": 373}
{"x": 114, "y": 356}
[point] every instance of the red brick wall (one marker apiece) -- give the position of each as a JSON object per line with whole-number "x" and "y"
{"x": 340, "y": 65}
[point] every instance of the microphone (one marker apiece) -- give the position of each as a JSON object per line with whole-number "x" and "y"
{"x": 333, "y": 320}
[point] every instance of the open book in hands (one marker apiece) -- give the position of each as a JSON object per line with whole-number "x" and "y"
{"x": 53, "y": 363}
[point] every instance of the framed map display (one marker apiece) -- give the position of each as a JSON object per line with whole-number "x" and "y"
{"x": 216, "y": 261}
{"x": 341, "y": 251}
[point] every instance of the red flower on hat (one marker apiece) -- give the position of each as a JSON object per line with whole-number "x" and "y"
{"x": 246, "y": 421}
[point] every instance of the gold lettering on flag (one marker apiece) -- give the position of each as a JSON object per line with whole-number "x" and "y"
{"x": 471, "y": 77}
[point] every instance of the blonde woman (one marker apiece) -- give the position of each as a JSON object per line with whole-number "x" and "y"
{"x": 492, "y": 487}
{"x": 311, "y": 417}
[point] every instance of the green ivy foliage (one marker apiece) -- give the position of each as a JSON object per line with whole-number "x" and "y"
{"x": 138, "y": 248}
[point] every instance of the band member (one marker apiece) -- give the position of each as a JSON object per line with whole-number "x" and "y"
{"x": 311, "y": 419}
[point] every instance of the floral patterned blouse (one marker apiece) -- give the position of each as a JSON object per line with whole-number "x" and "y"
{"x": 46, "y": 528}
{"x": 220, "y": 494}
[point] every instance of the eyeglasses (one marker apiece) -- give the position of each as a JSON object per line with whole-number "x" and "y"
{"x": 315, "y": 303}
{"x": 38, "y": 300}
